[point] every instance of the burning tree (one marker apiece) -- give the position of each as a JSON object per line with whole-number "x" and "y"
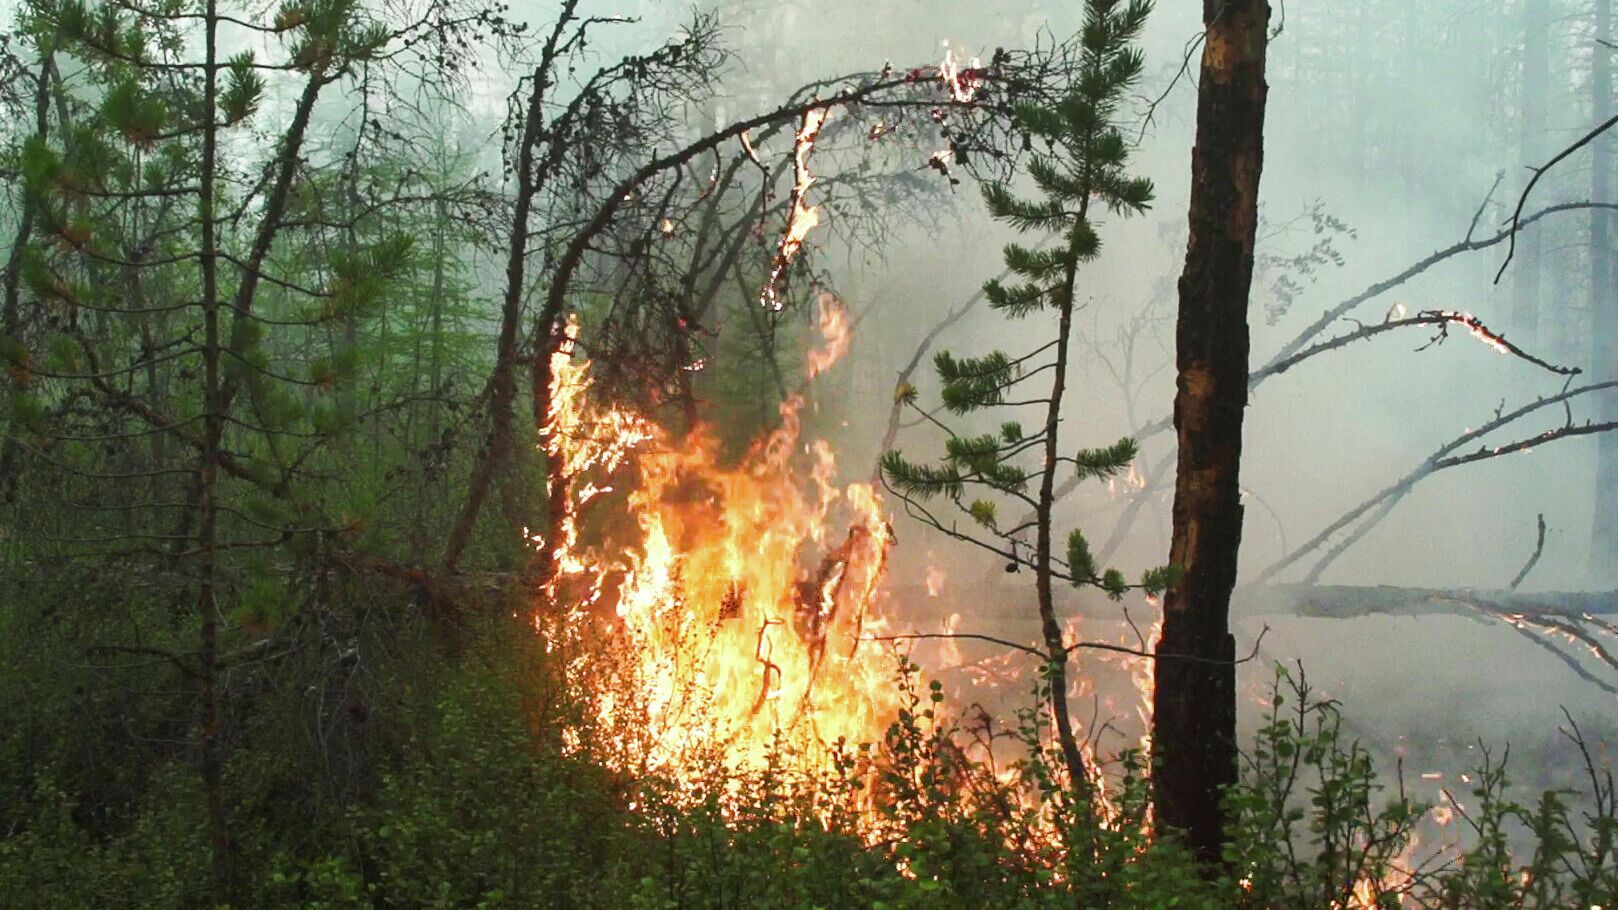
{"x": 1082, "y": 163}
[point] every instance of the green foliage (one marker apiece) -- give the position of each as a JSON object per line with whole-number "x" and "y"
{"x": 1106, "y": 462}
{"x": 974, "y": 382}
{"x": 460, "y": 799}
{"x": 1081, "y": 159}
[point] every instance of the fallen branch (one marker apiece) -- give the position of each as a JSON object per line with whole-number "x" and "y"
{"x": 1438, "y": 461}
{"x": 1076, "y": 646}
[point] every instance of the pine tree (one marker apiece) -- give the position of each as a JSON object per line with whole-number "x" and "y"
{"x": 1080, "y": 163}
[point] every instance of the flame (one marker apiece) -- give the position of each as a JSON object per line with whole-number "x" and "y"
{"x": 963, "y": 84}
{"x": 836, "y": 329}
{"x": 726, "y": 613}
{"x": 803, "y": 217}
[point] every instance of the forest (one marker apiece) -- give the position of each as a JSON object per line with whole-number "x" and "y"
{"x": 730, "y": 453}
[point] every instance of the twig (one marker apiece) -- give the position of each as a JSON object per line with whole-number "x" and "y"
{"x": 1441, "y": 460}
{"x": 1516, "y": 216}
{"x": 1539, "y": 548}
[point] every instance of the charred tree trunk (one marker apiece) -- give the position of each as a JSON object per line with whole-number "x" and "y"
{"x": 1194, "y": 711}
{"x": 1526, "y": 290}
{"x": 1603, "y": 309}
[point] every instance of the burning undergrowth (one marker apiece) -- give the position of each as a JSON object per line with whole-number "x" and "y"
{"x": 713, "y": 610}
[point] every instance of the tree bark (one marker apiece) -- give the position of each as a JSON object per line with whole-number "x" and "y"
{"x": 1194, "y": 719}
{"x": 212, "y": 757}
{"x": 1603, "y": 563}
{"x": 1050, "y": 627}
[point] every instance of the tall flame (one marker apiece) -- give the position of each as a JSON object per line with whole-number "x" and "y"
{"x": 724, "y": 615}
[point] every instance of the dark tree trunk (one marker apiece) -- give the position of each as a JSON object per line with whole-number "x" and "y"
{"x": 1194, "y": 722}
{"x": 10, "y": 310}
{"x": 497, "y": 447}
{"x": 1603, "y": 310}
{"x": 213, "y": 409}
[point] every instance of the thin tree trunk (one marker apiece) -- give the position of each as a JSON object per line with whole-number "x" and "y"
{"x": 1603, "y": 310}
{"x": 499, "y": 443}
{"x": 10, "y": 311}
{"x": 1050, "y": 627}
{"x": 212, "y": 758}
{"x": 1194, "y": 720}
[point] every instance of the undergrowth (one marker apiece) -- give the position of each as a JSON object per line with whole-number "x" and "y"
{"x": 458, "y": 794}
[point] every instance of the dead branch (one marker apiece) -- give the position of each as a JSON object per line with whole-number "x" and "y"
{"x": 1352, "y": 601}
{"x": 1294, "y": 353}
{"x": 891, "y": 434}
{"x": 1539, "y": 548}
{"x": 1068, "y": 649}
{"x": 1516, "y": 216}
{"x": 1442, "y": 459}
{"x": 1377, "y": 289}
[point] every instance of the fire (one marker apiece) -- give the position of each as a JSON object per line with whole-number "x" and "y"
{"x": 803, "y": 217}
{"x": 837, "y": 331}
{"x": 962, "y": 83}
{"x": 725, "y": 614}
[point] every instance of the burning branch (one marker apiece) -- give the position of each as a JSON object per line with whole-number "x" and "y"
{"x": 1442, "y": 319}
{"x": 803, "y": 217}
{"x": 1584, "y": 630}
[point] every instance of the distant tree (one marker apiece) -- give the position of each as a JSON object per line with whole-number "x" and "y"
{"x": 1603, "y": 305}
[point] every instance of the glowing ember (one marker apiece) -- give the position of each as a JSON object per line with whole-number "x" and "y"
{"x": 803, "y": 217}
{"x": 723, "y": 617}
{"x": 1477, "y": 329}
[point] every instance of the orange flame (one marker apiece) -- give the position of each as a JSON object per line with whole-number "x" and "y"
{"x": 836, "y": 329}
{"x": 724, "y": 618}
